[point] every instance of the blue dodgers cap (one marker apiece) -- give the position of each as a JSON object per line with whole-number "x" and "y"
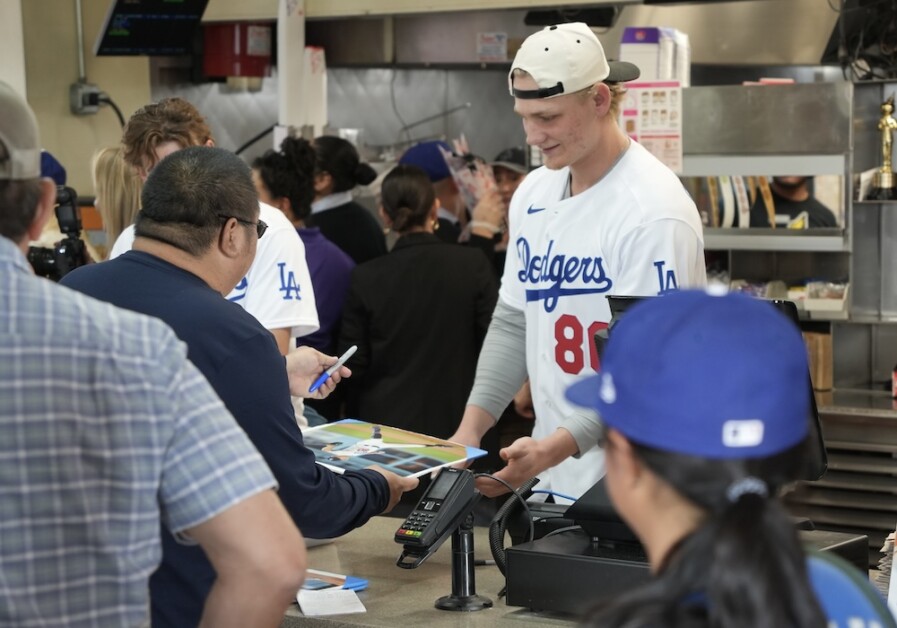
{"x": 712, "y": 376}
{"x": 428, "y": 158}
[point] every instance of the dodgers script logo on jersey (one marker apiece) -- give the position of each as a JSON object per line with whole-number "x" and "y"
{"x": 289, "y": 287}
{"x": 549, "y": 275}
{"x": 559, "y": 271}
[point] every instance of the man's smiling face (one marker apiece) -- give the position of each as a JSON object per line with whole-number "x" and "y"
{"x": 564, "y": 128}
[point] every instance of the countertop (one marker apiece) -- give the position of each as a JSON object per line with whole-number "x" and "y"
{"x": 404, "y": 597}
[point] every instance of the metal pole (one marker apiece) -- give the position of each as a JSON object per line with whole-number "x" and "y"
{"x": 79, "y": 25}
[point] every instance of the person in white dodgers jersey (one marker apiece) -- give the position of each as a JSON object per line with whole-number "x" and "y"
{"x": 277, "y": 289}
{"x": 603, "y": 216}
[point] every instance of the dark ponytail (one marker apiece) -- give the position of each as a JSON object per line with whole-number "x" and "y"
{"x": 743, "y": 567}
{"x": 407, "y": 196}
{"x": 339, "y": 158}
{"x": 290, "y": 173}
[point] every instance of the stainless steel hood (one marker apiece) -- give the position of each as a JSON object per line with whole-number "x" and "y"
{"x": 738, "y": 32}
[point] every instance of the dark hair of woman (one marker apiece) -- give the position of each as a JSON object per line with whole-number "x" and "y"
{"x": 407, "y": 197}
{"x": 744, "y": 567}
{"x": 340, "y": 160}
{"x": 290, "y": 173}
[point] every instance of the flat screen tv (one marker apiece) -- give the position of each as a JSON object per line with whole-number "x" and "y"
{"x": 149, "y": 27}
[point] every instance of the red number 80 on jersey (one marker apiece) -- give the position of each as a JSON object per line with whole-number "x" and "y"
{"x": 573, "y": 341}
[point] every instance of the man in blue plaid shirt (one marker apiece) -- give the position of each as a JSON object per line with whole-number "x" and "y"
{"x": 106, "y": 431}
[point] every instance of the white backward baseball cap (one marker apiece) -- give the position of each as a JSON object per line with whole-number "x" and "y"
{"x": 566, "y": 58}
{"x": 19, "y": 139}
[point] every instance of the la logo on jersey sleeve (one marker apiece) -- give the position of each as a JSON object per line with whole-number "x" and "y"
{"x": 289, "y": 287}
{"x": 288, "y": 284}
{"x": 666, "y": 278}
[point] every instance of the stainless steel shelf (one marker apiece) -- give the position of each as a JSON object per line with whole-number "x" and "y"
{"x": 812, "y": 240}
{"x": 717, "y": 165}
{"x": 872, "y": 319}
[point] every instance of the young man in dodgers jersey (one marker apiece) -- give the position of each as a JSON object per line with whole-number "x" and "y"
{"x": 277, "y": 289}
{"x": 603, "y": 216}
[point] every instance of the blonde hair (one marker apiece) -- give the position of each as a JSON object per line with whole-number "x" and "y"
{"x": 117, "y": 189}
{"x": 617, "y": 92}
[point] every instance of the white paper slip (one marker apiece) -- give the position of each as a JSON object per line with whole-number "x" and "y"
{"x": 329, "y": 602}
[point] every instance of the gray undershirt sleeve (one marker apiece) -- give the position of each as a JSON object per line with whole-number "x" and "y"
{"x": 501, "y": 369}
{"x": 585, "y": 430}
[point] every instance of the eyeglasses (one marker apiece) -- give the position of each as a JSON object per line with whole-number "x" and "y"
{"x": 260, "y": 227}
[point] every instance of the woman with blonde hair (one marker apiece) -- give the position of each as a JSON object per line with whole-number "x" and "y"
{"x": 117, "y": 189}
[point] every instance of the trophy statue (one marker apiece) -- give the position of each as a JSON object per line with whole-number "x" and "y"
{"x": 883, "y": 181}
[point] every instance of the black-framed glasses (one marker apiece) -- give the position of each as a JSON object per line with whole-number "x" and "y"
{"x": 260, "y": 226}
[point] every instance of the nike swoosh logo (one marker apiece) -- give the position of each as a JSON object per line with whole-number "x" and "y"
{"x": 535, "y": 210}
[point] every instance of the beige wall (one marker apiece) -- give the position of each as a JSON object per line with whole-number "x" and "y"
{"x": 51, "y": 66}
{"x": 12, "y": 51}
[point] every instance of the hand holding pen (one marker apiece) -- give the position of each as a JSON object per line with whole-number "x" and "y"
{"x": 305, "y": 366}
{"x": 333, "y": 369}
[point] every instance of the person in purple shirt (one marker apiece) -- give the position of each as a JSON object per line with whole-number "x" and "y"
{"x": 285, "y": 179}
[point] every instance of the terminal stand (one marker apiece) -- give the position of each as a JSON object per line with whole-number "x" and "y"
{"x": 464, "y": 595}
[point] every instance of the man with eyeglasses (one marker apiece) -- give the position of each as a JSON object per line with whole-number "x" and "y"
{"x": 195, "y": 237}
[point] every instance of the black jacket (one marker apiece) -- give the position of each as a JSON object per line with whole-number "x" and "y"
{"x": 353, "y": 229}
{"x": 418, "y": 316}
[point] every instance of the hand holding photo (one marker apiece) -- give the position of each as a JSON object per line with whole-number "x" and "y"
{"x": 351, "y": 445}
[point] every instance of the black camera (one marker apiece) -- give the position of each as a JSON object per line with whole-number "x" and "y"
{"x": 70, "y": 252}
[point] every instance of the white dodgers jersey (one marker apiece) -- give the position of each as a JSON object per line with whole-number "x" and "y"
{"x": 635, "y": 232}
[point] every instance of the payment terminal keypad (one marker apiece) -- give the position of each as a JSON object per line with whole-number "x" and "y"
{"x": 419, "y": 520}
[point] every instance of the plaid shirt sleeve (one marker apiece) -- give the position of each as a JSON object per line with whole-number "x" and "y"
{"x": 210, "y": 463}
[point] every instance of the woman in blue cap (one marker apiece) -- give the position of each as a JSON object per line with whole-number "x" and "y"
{"x": 705, "y": 402}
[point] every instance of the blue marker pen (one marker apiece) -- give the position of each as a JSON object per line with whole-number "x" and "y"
{"x": 323, "y": 376}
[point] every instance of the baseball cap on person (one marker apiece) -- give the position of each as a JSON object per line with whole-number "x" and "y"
{"x": 513, "y": 159}
{"x": 428, "y": 158}
{"x": 720, "y": 377}
{"x": 19, "y": 138}
{"x": 566, "y": 58}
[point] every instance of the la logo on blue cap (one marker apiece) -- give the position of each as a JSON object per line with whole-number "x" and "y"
{"x": 608, "y": 391}
{"x": 743, "y": 433}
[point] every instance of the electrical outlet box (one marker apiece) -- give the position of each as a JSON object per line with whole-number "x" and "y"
{"x": 84, "y": 98}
